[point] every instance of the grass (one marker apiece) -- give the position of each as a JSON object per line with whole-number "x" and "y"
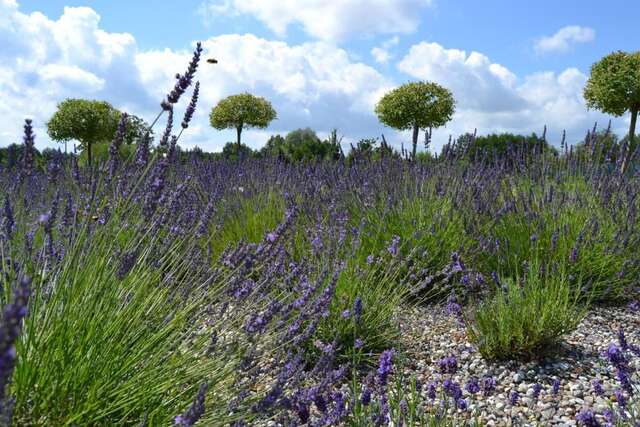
{"x": 528, "y": 316}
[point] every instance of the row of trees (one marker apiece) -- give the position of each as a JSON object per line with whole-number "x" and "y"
{"x": 613, "y": 87}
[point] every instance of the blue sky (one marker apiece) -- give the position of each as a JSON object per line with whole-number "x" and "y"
{"x": 323, "y": 64}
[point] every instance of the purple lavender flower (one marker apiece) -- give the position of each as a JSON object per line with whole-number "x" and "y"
{"x": 634, "y": 306}
{"x": 271, "y": 237}
{"x": 609, "y": 417}
{"x": 10, "y": 329}
{"x": 587, "y": 418}
{"x": 195, "y": 411}
{"x": 357, "y": 309}
{"x": 183, "y": 81}
{"x": 454, "y": 309}
{"x": 164, "y": 139}
{"x": 597, "y": 388}
{"x": 114, "y": 148}
{"x": 574, "y": 254}
{"x": 488, "y": 385}
{"x": 513, "y": 398}
{"x": 155, "y": 188}
{"x": 615, "y": 355}
{"x": 370, "y": 259}
{"x": 358, "y": 343}
{"x": 393, "y": 247}
{"x": 622, "y": 401}
{"x": 142, "y": 150}
{"x": 365, "y": 398}
{"x": 431, "y": 390}
{"x": 191, "y": 108}
{"x": 385, "y": 366}
{"x": 28, "y": 154}
{"x": 452, "y": 389}
{"x": 448, "y": 365}
{"x": 472, "y": 386}
{"x": 346, "y": 313}
{"x": 555, "y": 386}
{"x": 8, "y": 222}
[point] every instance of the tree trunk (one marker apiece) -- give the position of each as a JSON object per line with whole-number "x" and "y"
{"x": 239, "y": 131}
{"x": 415, "y": 141}
{"x": 631, "y": 146}
{"x": 89, "y": 153}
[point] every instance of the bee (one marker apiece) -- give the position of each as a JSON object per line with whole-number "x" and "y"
{"x": 212, "y": 61}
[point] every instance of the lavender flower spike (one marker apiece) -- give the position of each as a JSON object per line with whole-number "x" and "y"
{"x": 195, "y": 411}
{"x": 385, "y": 367}
{"x": 8, "y": 222}
{"x": 114, "y": 148}
{"x": 191, "y": 108}
{"x": 9, "y": 331}
{"x": 28, "y": 156}
{"x": 184, "y": 81}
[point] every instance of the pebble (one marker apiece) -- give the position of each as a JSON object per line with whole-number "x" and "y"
{"x": 429, "y": 335}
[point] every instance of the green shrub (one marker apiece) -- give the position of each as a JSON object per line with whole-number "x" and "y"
{"x": 380, "y": 294}
{"x": 99, "y": 349}
{"x": 528, "y": 315}
{"x": 574, "y": 230}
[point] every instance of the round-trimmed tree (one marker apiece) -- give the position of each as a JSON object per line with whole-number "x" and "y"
{"x": 416, "y": 106}
{"x": 614, "y": 88}
{"x": 240, "y": 112}
{"x": 90, "y": 122}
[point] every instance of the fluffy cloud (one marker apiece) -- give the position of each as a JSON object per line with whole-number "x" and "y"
{"x": 564, "y": 39}
{"x": 381, "y": 53}
{"x": 45, "y": 61}
{"x": 475, "y": 81}
{"x": 313, "y": 84}
{"x": 491, "y": 98}
{"x": 326, "y": 20}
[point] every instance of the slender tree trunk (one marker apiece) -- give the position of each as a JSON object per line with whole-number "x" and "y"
{"x": 415, "y": 141}
{"x": 89, "y": 153}
{"x": 631, "y": 146}
{"x": 239, "y": 131}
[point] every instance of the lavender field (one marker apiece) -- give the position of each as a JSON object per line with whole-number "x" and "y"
{"x": 164, "y": 286}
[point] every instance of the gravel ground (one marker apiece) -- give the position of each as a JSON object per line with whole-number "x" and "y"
{"x": 429, "y": 334}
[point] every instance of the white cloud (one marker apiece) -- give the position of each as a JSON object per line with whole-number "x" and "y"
{"x": 326, "y": 20}
{"x": 491, "y": 98}
{"x": 312, "y": 84}
{"x": 316, "y": 84}
{"x": 564, "y": 39}
{"x": 381, "y": 53}
{"x": 475, "y": 82}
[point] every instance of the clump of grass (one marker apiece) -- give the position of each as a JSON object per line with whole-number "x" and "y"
{"x": 248, "y": 220}
{"x": 528, "y": 315}
{"x": 102, "y": 350}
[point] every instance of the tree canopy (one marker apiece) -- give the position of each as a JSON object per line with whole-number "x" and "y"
{"x": 240, "y": 112}
{"x": 416, "y": 105}
{"x": 90, "y": 122}
{"x": 614, "y": 88}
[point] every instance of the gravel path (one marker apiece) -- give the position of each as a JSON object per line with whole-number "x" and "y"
{"x": 429, "y": 335}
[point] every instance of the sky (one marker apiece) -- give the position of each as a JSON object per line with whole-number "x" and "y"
{"x": 323, "y": 64}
